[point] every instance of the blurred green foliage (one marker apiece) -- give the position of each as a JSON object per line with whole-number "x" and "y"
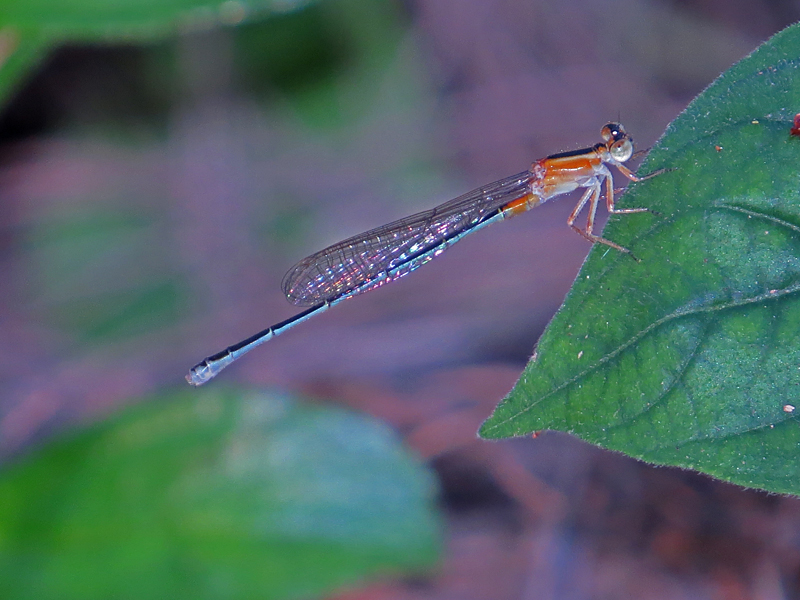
{"x": 214, "y": 494}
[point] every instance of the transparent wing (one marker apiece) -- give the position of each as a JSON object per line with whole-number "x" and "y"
{"x": 348, "y": 265}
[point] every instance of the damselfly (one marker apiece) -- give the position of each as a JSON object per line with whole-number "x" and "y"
{"x": 376, "y": 257}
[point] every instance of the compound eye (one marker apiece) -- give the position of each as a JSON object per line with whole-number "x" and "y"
{"x": 622, "y": 150}
{"x": 612, "y": 131}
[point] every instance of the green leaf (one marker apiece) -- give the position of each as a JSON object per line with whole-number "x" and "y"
{"x": 692, "y": 356}
{"x": 130, "y": 19}
{"x": 21, "y": 50}
{"x": 30, "y": 28}
{"x": 214, "y": 494}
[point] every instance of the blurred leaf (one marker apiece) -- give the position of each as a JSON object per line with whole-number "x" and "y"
{"x": 333, "y": 62}
{"x": 94, "y": 272}
{"x": 30, "y": 28}
{"x": 692, "y": 357}
{"x": 21, "y": 49}
{"x": 214, "y": 494}
{"x": 293, "y": 50}
{"x": 131, "y": 19}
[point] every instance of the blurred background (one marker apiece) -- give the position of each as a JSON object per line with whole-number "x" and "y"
{"x": 155, "y": 194}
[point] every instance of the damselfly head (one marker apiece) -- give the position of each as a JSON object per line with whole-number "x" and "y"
{"x": 618, "y": 142}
